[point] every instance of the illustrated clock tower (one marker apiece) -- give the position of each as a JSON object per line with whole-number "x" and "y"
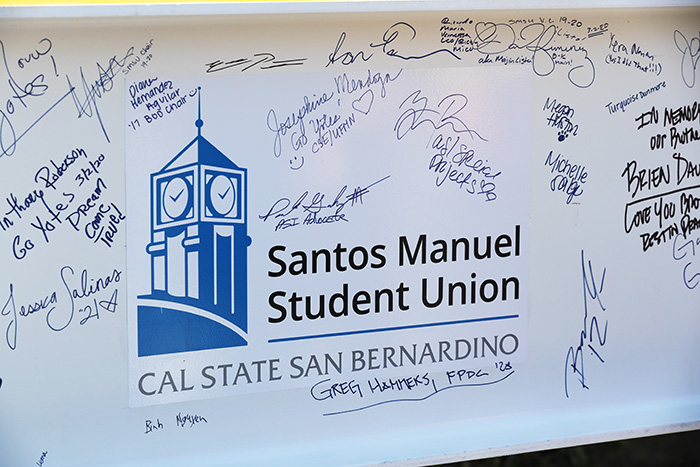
{"x": 198, "y": 251}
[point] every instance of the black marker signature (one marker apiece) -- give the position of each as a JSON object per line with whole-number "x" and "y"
{"x": 431, "y": 383}
{"x": 315, "y": 207}
{"x": 395, "y": 40}
{"x": 264, "y": 61}
{"x": 497, "y": 38}
{"x": 404, "y": 31}
{"x": 346, "y": 58}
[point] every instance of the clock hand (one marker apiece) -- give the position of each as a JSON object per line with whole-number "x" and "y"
{"x": 225, "y": 193}
{"x": 174, "y": 198}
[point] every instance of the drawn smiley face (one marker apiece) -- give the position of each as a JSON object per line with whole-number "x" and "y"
{"x": 296, "y": 163}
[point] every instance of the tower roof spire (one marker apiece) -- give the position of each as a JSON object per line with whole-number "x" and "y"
{"x": 199, "y": 123}
{"x": 199, "y": 150}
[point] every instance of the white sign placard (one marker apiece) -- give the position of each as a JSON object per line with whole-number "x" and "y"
{"x": 364, "y": 234}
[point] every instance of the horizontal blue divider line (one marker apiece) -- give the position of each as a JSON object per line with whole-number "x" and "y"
{"x": 397, "y": 328}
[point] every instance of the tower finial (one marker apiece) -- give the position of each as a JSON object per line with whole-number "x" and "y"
{"x": 199, "y": 123}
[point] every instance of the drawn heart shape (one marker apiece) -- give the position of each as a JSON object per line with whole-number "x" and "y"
{"x": 364, "y": 103}
{"x": 482, "y": 27}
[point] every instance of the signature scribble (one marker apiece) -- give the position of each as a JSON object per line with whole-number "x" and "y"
{"x": 691, "y": 55}
{"x": 590, "y": 338}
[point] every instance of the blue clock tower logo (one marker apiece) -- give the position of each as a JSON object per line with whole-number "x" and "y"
{"x": 199, "y": 254}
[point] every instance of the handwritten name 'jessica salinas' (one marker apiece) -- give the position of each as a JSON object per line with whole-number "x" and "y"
{"x": 101, "y": 292}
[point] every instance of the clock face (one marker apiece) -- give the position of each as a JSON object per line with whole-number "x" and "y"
{"x": 222, "y": 194}
{"x": 176, "y": 199}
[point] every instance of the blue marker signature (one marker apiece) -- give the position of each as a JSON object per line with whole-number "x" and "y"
{"x": 100, "y": 294}
{"x": 33, "y": 88}
{"x": 294, "y": 122}
{"x": 86, "y": 105}
{"x": 691, "y": 55}
{"x": 590, "y": 337}
{"x": 686, "y": 251}
{"x": 447, "y": 114}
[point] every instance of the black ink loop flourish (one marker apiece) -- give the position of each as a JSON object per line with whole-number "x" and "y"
{"x": 391, "y": 34}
